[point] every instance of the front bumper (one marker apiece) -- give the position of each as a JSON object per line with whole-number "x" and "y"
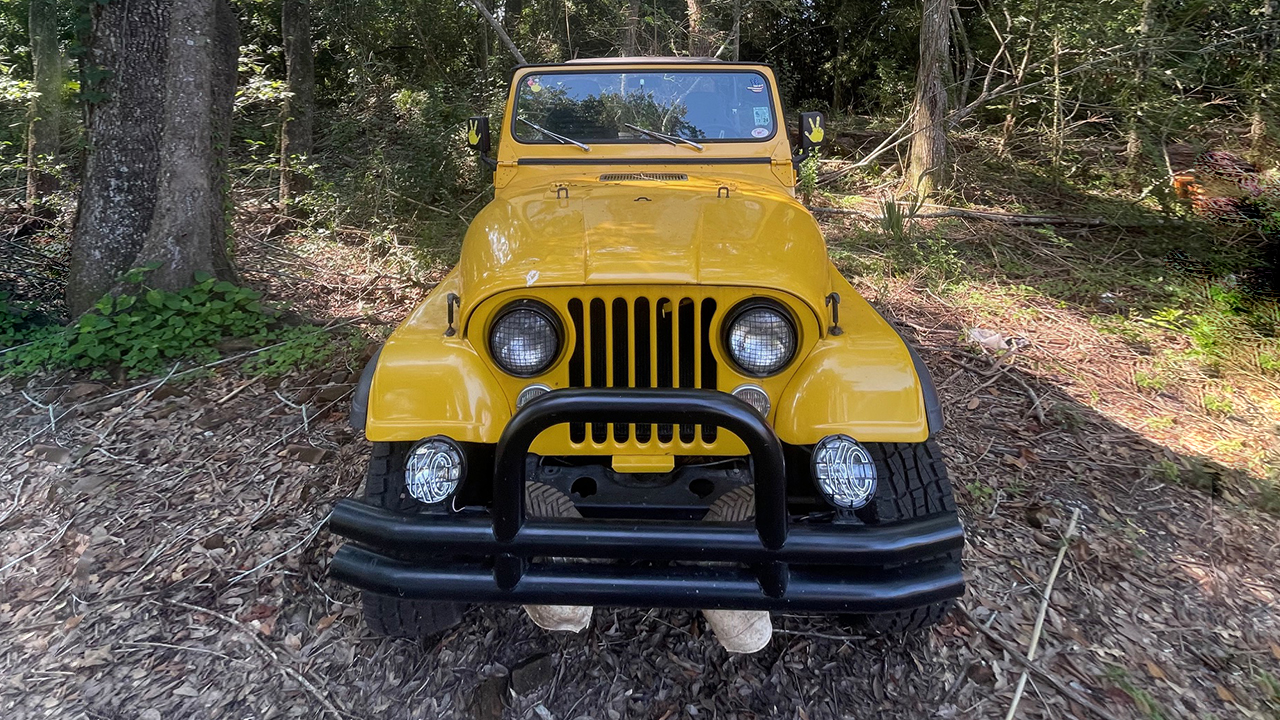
{"x": 503, "y": 557}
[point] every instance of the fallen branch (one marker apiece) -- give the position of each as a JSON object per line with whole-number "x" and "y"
{"x": 253, "y": 635}
{"x": 1068, "y": 691}
{"x": 999, "y": 217}
{"x": 1044, "y": 609}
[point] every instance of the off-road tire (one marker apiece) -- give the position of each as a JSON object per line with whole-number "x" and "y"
{"x": 913, "y": 484}
{"x": 391, "y": 616}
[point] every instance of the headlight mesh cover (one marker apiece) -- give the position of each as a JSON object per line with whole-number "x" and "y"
{"x": 762, "y": 341}
{"x": 524, "y": 342}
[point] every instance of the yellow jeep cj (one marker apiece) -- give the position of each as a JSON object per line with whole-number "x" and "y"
{"x": 645, "y": 384}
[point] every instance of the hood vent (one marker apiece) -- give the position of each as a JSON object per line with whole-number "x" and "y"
{"x": 644, "y": 177}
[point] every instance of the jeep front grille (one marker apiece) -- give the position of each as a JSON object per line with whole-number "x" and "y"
{"x": 661, "y": 342}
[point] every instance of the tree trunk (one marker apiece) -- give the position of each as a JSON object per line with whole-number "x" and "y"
{"x": 926, "y": 167}
{"x": 43, "y": 136}
{"x": 631, "y": 41}
{"x": 1134, "y": 148}
{"x": 697, "y": 44}
{"x": 737, "y": 30}
{"x": 129, "y": 43}
{"x": 299, "y": 107}
{"x": 184, "y": 237}
{"x": 1258, "y": 131}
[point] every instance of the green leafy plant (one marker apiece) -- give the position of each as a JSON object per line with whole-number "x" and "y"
{"x": 301, "y": 347}
{"x": 149, "y": 330}
{"x": 808, "y": 180}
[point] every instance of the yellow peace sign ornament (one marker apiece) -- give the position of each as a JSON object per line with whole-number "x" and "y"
{"x": 473, "y": 132}
{"x": 815, "y": 132}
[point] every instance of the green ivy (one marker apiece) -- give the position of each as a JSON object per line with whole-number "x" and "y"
{"x": 147, "y": 331}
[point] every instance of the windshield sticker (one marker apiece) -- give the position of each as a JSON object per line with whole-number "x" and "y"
{"x": 762, "y": 115}
{"x": 756, "y": 87}
{"x": 759, "y": 132}
{"x": 534, "y": 84}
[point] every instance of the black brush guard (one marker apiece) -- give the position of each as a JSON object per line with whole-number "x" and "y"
{"x": 500, "y": 558}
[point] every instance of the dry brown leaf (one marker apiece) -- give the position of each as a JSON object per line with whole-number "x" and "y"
{"x": 973, "y": 404}
{"x": 1275, "y": 651}
{"x": 1155, "y": 671}
{"x": 1224, "y": 694}
{"x": 325, "y": 622}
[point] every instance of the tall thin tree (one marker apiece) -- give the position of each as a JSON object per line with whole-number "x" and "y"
{"x": 297, "y": 115}
{"x": 43, "y": 127}
{"x": 127, "y": 48}
{"x": 927, "y": 163}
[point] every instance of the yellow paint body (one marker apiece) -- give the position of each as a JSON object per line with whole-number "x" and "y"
{"x": 686, "y": 249}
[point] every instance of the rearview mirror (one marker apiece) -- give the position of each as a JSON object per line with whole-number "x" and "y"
{"x": 478, "y": 134}
{"x": 813, "y": 133}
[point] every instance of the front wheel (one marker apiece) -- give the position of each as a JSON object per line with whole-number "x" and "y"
{"x": 913, "y": 485}
{"x": 391, "y": 616}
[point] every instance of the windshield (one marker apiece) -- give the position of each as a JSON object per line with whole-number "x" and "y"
{"x": 598, "y": 106}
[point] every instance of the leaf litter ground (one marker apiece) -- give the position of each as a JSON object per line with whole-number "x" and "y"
{"x": 163, "y": 554}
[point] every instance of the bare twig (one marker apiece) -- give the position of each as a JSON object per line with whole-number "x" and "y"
{"x": 253, "y": 635}
{"x": 1044, "y": 609}
{"x": 56, "y": 536}
{"x": 310, "y": 536}
{"x": 1044, "y": 674}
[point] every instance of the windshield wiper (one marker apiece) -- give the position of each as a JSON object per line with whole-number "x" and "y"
{"x": 668, "y": 139}
{"x": 558, "y": 138}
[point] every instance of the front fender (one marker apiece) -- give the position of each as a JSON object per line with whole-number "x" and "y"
{"x": 427, "y": 384}
{"x": 865, "y": 383}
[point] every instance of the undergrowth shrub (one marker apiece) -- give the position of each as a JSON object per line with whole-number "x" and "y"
{"x": 144, "y": 332}
{"x": 147, "y": 331}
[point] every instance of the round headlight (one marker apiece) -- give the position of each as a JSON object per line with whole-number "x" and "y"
{"x": 761, "y": 339}
{"x": 845, "y": 472}
{"x": 531, "y": 393}
{"x": 525, "y": 339}
{"x": 433, "y": 469}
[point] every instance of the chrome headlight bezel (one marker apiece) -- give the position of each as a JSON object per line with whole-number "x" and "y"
{"x": 425, "y": 461}
{"x": 855, "y": 477}
{"x": 542, "y": 311}
{"x": 739, "y": 313}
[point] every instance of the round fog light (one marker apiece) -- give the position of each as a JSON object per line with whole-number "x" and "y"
{"x": 433, "y": 469}
{"x": 531, "y": 393}
{"x": 754, "y": 396}
{"x": 845, "y": 472}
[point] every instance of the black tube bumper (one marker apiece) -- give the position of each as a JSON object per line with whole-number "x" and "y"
{"x": 503, "y": 557}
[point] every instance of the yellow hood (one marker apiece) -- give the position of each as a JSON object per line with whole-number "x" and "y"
{"x": 587, "y": 232}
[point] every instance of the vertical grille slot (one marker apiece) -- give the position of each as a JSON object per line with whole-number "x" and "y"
{"x": 687, "y": 354}
{"x": 664, "y": 325}
{"x": 598, "y": 351}
{"x": 645, "y": 343}
{"x": 621, "y": 360}
{"x": 708, "y": 364}
{"x": 577, "y": 365}
{"x": 644, "y": 355}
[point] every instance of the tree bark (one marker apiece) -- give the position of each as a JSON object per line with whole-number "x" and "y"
{"x": 297, "y": 115}
{"x": 43, "y": 126}
{"x": 184, "y": 235}
{"x": 631, "y": 39}
{"x": 697, "y": 43}
{"x": 128, "y": 45}
{"x": 1258, "y": 131}
{"x": 926, "y": 166}
{"x": 497, "y": 28}
{"x": 1134, "y": 148}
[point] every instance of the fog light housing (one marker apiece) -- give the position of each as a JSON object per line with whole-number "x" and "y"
{"x": 531, "y": 393}
{"x": 844, "y": 471}
{"x": 755, "y": 396}
{"x": 433, "y": 470}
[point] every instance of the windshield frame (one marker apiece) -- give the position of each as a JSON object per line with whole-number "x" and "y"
{"x": 618, "y": 68}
